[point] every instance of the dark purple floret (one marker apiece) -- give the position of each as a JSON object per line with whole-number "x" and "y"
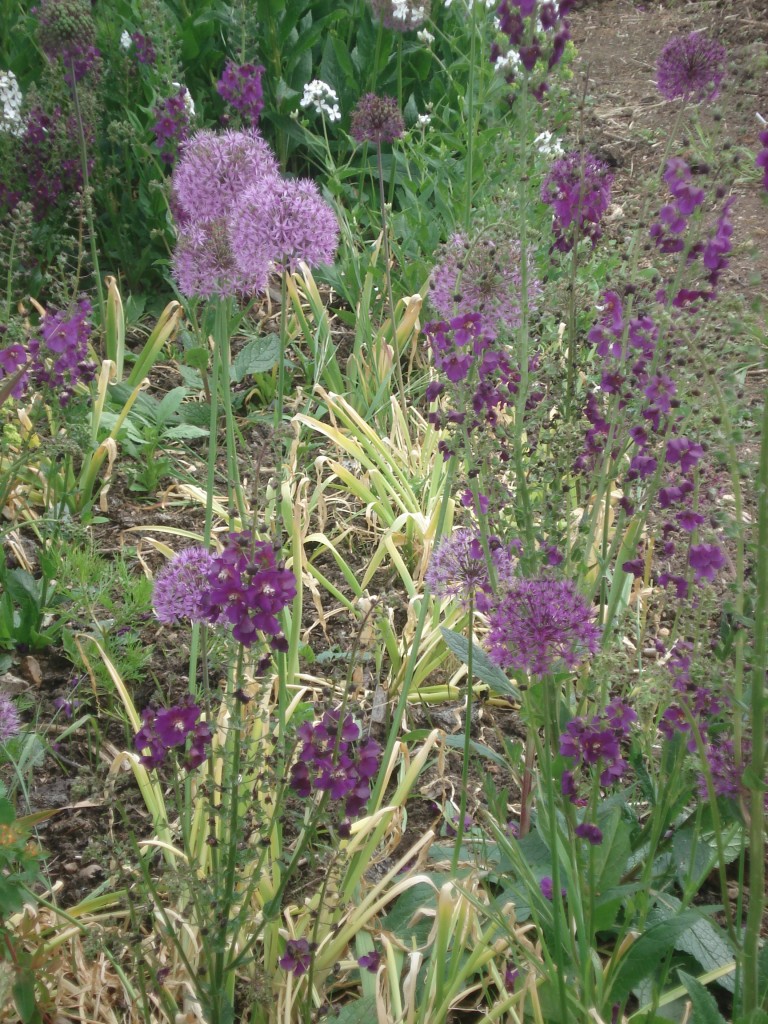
{"x": 171, "y": 126}
{"x": 145, "y": 51}
{"x": 590, "y": 832}
{"x": 166, "y": 728}
{"x": 691, "y": 68}
{"x": 370, "y": 961}
{"x": 376, "y": 119}
{"x": 240, "y": 86}
{"x": 297, "y": 956}
{"x": 706, "y": 560}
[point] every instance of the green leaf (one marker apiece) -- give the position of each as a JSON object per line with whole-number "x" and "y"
{"x": 457, "y": 740}
{"x": 705, "y": 1009}
{"x": 646, "y": 953}
{"x": 257, "y": 356}
{"x": 705, "y": 942}
{"x": 24, "y": 997}
{"x": 612, "y": 855}
{"x": 169, "y": 406}
{"x": 185, "y": 432}
{"x": 361, "y": 1011}
{"x": 482, "y": 666}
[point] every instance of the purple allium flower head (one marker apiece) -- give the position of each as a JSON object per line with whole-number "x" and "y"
{"x": 10, "y": 723}
{"x": 376, "y": 119}
{"x": 216, "y": 168}
{"x": 248, "y": 589}
{"x": 240, "y": 86}
{"x": 180, "y": 586}
{"x": 458, "y": 568}
{"x": 482, "y": 277}
{"x": 297, "y": 956}
{"x": 589, "y": 831}
{"x": 540, "y": 626}
{"x": 171, "y": 126}
{"x": 281, "y": 223}
{"x": 691, "y": 68}
{"x": 706, "y": 560}
{"x": 578, "y": 188}
{"x": 400, "y": 15}
{"x": 761, "y": 160}
{"x": 204, "y": 263}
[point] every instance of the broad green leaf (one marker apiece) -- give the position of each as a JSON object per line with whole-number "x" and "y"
{"x": 482, "y": 666}
{"x": 705, "y": 1009}
{"x": 705, "y": 942}
{"x": 457, "y": 740}
{"x": 361, "y": 1011}
{"x": 612, "y": 855}
{"x": 169, "y": 406}
{"x": 257, "y": 356}
{"x": 647, "y": 952}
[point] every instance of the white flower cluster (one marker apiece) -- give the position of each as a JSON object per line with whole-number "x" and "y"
{"x": 510, "y": 61}
{"x": 403, "y": 11}
{"x": 424, "y": 120}
{"x": 189, "y": 103}
{"x": 548, "y": 145}
{"x": 10, "y": 104}
{"x": 425, "y": 36}
{"x": 125, "y": 40}
{"x": 321, "y": 96}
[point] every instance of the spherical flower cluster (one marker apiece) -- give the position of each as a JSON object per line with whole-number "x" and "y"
{"x": 481, "y": 277}
{"x": 376, "y": 119}
{"x": 180, "y": 585}
{"x": 400, "y": 15}
{"x": 322, "y": 98}
{"x": 165, "y": 728}
{"x": 240, "y": 86}
{"x": 595, "y": 744}
{"x": 332, "y": 759}
{"x": 239, "y": 219}
{"x": 10, "y": 104}
{"x": 761, "y": 160}
{"x": 172, "y": 122}
{"x": 281, "y": 223}
{"x": 10, "y": 723}
{"x": 578, "y": 188}
{"x": 459, "y": 569}
{"x": 691, "y": 68}
{"x": 67, "y": 31}
{"x": 56, "y": 359}
{"x": 248, "y": 589}
{"x": 541, "y": 626}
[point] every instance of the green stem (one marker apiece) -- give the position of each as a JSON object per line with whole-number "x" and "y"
{"x": 467, "y": 743}
{"x": 87, "y": 201}
{"x": 756, "y": 771}
{"x": 388, "y": 275}
{"x": 278, "y": 421}
{"x": 470, "y": 120}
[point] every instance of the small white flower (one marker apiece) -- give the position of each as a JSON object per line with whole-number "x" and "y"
{"x": 10, "y": 104}
{"x": 510, "y": 61}
{"x": 189, "y": 103}
{"x": 424, "y": 36}
{"x": 548, "y": 145}
{"x": 424, "y": 120}
{"x": 322, "y": 98}
{"x": 125, "y": 40}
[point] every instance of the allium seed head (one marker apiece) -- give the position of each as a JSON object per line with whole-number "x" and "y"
{"x": 376, "y": 119}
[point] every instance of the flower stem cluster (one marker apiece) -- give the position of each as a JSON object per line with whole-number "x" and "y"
{"x": 535, "y": 34}
{"x": 56, "y": 359}
{"x": 578, "y": 188}
{"x": 172, "y": 124}
{"x": 594, "y": 745}
{"x": 332, "y": 760}
{"x": 240, "y": 87}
